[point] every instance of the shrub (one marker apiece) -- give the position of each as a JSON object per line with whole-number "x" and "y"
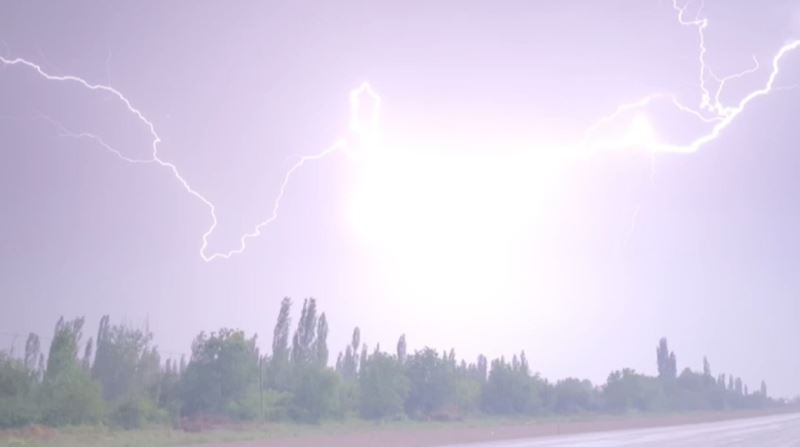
{"x": 384, "y": 387}
{"x": 136, "y": 411}
{"x": 16, "y": 412}
{"x": 222, "y": 377}
{"x": 70, "y": 398}
{"x": 16, "y": 385}
{"x": 315, "y": 394}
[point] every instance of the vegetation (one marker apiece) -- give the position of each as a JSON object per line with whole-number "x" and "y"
{"x": 124, "y": 383}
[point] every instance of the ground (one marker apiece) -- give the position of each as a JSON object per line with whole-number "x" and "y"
{"x": 351, "y": 433}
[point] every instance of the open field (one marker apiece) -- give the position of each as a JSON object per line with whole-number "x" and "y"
{"x": 354, "y": 433}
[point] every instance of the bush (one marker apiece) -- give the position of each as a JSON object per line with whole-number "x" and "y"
{"x": 134, "y": 412}
{"x": 432, "y": 388}
{"x": 468, "y": 395}
{"x": 129, "y": 414}
{"x": 511, "y": 390}
{"x": 246, "y": 408}
{"x": 70, "y": 398}
{"x": 384, "y": 387}
{"x": 16, "y": 386}
{"x": 315, "y": 394}
{"x": 222, "y": 377}
{"x": 17, "y": 412}
{"x": 628, "y": 390}
{"x": 574, "y": 396}
{"x": 276, "y": 404}
{"x": 349, "y": 398}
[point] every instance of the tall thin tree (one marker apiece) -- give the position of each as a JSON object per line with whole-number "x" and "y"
{"x": 280, "y": 335}
{"x": 321, "y": 342}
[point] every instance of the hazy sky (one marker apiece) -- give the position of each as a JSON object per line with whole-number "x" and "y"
{"x": 463, "y": 233}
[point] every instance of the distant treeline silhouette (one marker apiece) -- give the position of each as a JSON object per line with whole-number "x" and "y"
{"x": 118, "y": 378}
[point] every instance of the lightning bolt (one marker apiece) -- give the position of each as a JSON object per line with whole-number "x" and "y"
{"x": 358, "y": 126}
{"x": 156, "y": 139}
{"x": 717, "y": 106}
{"x": 276, "y": 205}
{"x": 711, "y": 111}
{"x": 65, "y": 132}
{"x": 726, "y": 114}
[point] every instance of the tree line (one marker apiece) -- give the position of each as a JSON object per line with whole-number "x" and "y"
{"x": 119, "y": 378}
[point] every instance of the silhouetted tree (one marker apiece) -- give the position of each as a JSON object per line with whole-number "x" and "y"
{"x": 68, "y": 394}
{"x": 384, "y": 387}
{"x": 16, "y": 393}
{"x": 574, "y": 396}
{"x": 314, "y": 393}
{"x": 280, "y": 339}
{"x": 401, "y": 349}
{"x": 362, "y": 360}
{"x": 64, "y": 346}
{"x": 667, "y": 366}
{"x": 510, "y": 390}
{"x": 628, "y": 390}
{"x": 279, "y": 372}
{"x": 483, "y": 368}
{"x": 321, "y": 342}
{"x": 222, "y": 375}
{"x": 118, "y": 360}
{"x": 349, "y": 367}
{"x": 225, "y": 378}
{"x": 33, "y": 354}
{"x": 431, "y": 384}
{"x": 305, "y": 334}
{"x": 87, "y": 356}
{"x": 523, "y": 364}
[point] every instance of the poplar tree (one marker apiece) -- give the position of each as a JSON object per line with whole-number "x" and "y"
{"x": 32, "y": 350}
{"x": 402, "y": 349}
{"x": 64, "y": 347}
{"x": 280, "y": 338}
{"x": 87, "y": 356}
{"x": 321, "y": 342}
{"x": 667, "y": 365}
{"x": 305, "y": 334}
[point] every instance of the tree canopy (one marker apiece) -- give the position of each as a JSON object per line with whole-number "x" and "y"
{"x": 121, "y": 379}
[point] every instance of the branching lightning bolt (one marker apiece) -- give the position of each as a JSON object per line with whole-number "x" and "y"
{"x": 156, "y": 139}
{"x": 64, "y": 132}
{"x": 358, "y": 126}
{"x": 717, "y": 106}
{"x": 276, "y": 205}
{"x": 710, "y": 111}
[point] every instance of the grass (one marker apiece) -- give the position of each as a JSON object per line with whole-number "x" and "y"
{"x": 162, "y": 436}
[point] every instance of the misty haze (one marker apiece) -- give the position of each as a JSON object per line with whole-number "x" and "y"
{"x": 399, "y": 223}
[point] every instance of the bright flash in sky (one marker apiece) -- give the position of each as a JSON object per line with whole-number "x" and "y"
{"x": 503, "y": 163}
{"x": 402, "y": 185}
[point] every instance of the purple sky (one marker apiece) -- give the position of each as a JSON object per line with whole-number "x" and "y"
{"x": 460, "y": 237}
